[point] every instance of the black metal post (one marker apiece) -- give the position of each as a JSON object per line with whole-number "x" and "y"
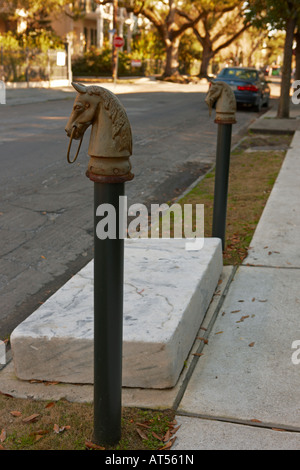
{"x": 108, "y": 321}
{"x": 221, "y": 181}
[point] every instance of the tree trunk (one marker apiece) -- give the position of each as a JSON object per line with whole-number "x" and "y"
{"x": 207, "y": 55}
{"x": 297, "y": 73}
{"x": 172, "y": 63}
{"x": 284, "y": 101}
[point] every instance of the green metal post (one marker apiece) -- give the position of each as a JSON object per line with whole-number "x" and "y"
{"x": 221, "y": 181}
{"x": 108, "y": 322}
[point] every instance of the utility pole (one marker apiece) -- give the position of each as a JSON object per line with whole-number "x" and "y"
{"x": 114, "y": 53}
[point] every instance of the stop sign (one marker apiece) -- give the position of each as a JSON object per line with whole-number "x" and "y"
{"x": 118, "y": 41}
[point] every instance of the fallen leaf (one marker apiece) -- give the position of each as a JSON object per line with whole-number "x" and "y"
{"x": 202, "y": 328}
{"x": 263, "y": 300}
{"x": 49, "y": 405}
{"x": 31, "y": 418}
{"x": 6, "y": 395}
{"x": 253, "y": 299}
{"x": 235, "y": 311}
{"x": 167, "y": 436}
{"x": 143, "y": 425}
{"x": 3, "y": 435}
{"x": 173, "y": 431}
{"x": 16, "y": 413}
{"x": 40, "y": 432}
{"x": 242, "y": 319}
{"x": 91, "y": 445}
{"x": 169, "y": 444}
{"x": 255, "y": 420}
{"x": 278, "y": 429}
{"x": 218, "y": 332}
{"x": 198, "y": 354}
{"x": 156, "y": 436}
{"x": 57, "y": 429}
{"x": 141, "y": 433}
{"x": 251, "y": 344}
{"x": 202, "y": 339}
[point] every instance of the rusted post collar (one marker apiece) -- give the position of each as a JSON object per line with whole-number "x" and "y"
{"x": 221, "y": 94}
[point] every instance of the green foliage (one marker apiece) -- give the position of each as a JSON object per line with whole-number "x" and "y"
{"x": 263, "y": 13}
{"x": 99, "y": 63}
{"x": 148, "y": 45}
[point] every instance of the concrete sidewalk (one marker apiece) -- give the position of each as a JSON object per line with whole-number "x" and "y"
{"x": 20, "y": 96}
{"x": 245, "y": 388}
{"x": 241, "y": 388}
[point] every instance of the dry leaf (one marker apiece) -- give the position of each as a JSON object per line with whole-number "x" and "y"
{"x": 173, "y": 431}
{"x": 167, "y": 436}
{"x": 198, "y": 354}
{"x": 235, "y": 311}
{"x": 278, "y": 429}
{"x": 40, "y": 432}
{"x": 31, "y": 418}
{"x": 141, "y": 433}
{"x": 57, "y": 429}
{"x": 218, "y": 332}
{"x": 242, "y": 319}
{"x": 205, "y": 341}
{"x": 49, "y": 405}
{"x": 3, "y": 435}
{"x": 91, "y": 445}
{"x": 156, "y": 436}
{"x": 255, "y": 420}
{"x": 169, "y": 444}
{"x": 143, "y": 425}
{"x": 251, "y": 344}
{"x": 16, "y": 413}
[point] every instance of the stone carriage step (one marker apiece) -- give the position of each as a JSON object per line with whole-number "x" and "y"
{"x": 167, "y": 290}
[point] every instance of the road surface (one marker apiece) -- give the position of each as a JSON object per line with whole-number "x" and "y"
{"x": 46, "y": 213}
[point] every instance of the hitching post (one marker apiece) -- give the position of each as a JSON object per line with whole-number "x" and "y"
{"x": 221, "y": 94}
{"x": 109, "y": 168}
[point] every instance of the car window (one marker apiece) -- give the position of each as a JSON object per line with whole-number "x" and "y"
{"x": 239, "y": 73}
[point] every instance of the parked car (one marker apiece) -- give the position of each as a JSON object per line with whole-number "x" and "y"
{"x": 248, "y": 84}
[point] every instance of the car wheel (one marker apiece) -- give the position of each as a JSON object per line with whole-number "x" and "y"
{"x": 267, "y": 102}
{"x": 258, "y": 106}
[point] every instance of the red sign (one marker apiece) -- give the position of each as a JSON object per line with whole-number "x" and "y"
{"x": 118, "y": 41}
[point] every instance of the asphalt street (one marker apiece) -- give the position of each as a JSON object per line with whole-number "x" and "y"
{"x": 46, "y": 212}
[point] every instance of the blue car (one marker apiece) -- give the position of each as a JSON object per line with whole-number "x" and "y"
{"x": 248, "y": 84}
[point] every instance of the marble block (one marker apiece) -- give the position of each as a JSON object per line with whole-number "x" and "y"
{"x": 167, "y": 290}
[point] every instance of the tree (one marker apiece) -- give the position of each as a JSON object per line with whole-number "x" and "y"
{"x": 297, "y": 54}
{"x": 220, "y": 24}
{"x": 278, "y": 15}
{"x": 171, "y": 22}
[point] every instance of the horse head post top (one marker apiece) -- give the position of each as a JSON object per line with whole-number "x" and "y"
{"x": 221, "y": 94}
{"x": 110, "y": 144}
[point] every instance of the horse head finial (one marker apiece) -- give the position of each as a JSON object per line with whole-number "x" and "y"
{"x": 79, "y": 87}
{"x": 221, "y": 94}
{"x": 110, "y": 143}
